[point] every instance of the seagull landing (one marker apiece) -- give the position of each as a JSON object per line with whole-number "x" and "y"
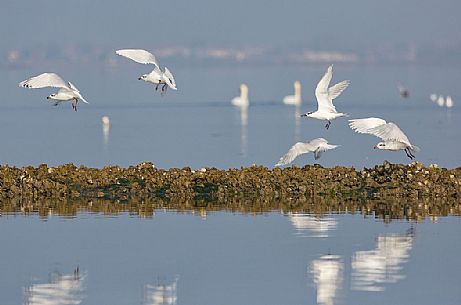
{"x": 67, "y": 91}
{"x": 157, "y": 76}
{"x": 393, "y": 138}
{"x": 317, "y": 146}
{"x": 326, "y": 110}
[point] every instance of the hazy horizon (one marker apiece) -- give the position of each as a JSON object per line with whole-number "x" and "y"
{"x": 364, "y": 29}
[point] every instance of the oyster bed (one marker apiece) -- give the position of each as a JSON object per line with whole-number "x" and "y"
{"x": 145, "y": 181}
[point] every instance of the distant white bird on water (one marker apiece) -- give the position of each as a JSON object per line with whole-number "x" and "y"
{"x": 449, "y": 102}
{"x": 157, "y": 76}
{"x": 441, "y": 101}
{"x": 67, "y": 91}
{"x": 296, "y": 98}
{"x": 242, "y": 100}
{"x": 433, "y": 97}
{"x": 326, "y": 110}
{"x": 394, "y": 138}
{"x": 317, "y": 146}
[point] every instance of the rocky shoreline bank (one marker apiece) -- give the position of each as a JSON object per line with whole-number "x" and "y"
{"x": 145, "y": 181}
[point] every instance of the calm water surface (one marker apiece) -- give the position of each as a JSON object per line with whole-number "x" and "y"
{"x": 228, "y": 258}
{"x": 196, "y": 126}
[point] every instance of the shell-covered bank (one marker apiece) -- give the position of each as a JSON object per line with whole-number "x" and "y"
{"x": 145, "y": 181}
{"x": 392, "y": 190}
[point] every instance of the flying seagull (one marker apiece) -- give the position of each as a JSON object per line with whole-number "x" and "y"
{"x": 157, "y": 76}
{"x": 317, "y": 146}
{"x": 325, "y": 96}
{"x": 393, "y": 138}
{"x": 67, "y": 91}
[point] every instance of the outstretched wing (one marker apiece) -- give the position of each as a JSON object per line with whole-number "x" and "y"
{"x": 73, "y": 87}
{"x": 77, "y": 92}
{"x": 139, "y": 56}
{"x": 337, "y": 89}
{"x": 380, "y": 128}
{"x": 321, "y": 145}
{"x": 44, "y": 80}
{"x": 296, "y": 150}
{"x": 171, "y": 83}
{"x": 324, "y": 102}
{"x": 322, "y": 87}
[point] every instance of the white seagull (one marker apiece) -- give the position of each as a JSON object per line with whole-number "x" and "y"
{"x": 157, "y": 76}
{"x": 317, "y": 146}
{"x": 242, "y": 100}
{"x": 325, "y": 96}
{"x": 67, "y": 91}
{"x": 394, "y": 138}
{"x": 296, "y": 98}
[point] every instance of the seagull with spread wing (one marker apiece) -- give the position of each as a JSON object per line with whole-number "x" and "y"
{"x": 393, "y": 138}
{"x": 67, "y": 91}
{"x": 157, "y": 76}
{"x": 317, "y": 146}
{"x": 326, "y": 110}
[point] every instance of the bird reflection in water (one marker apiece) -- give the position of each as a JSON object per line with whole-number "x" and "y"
{"x": 106, "y": 125}
{"x": 62, "y": 289}
{"x": 297, "y": 123}
{"x": 160, "y": 294}
{"x": 243, "y": 130}
{"x": 371, "y": 270}
{"x": 327, "y": 273}
{"x": 315, "y": 226}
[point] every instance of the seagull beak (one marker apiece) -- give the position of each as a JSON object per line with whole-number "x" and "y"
{"x": 139, "y": 78}
{"x": 375, "y": 147}
{"x": 47, "y": 97}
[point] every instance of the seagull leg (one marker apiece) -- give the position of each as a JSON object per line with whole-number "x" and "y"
{"x": 164, "y": 88}
{"x": 74, "y": 104}
{"x": 328, "y": 124}
{"x": 411, "y": 154}
{"x": 156, "y": 87}
{"x": 408, "y": 155}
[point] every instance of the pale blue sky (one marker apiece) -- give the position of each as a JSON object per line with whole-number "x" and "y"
{"x": 342, "y": 25}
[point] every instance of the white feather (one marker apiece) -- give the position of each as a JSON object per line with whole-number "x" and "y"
{"x": 379, "y": 128}
{"x": 44, "y": 80}
{"x": 139, "y": 55}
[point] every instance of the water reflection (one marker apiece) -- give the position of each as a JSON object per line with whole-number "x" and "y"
{"x": 314, "y": 226}
{"x": 160, "y": 294}
{"x": 65, "y": 289}
{"x": 297, "y": 123}
{"x": 301, "y": 211}
{"x": 372, "y": 269}
{"x": 243, "y": 130}
{"x": 327, "y": 273}
{"x": 105, "y": 129}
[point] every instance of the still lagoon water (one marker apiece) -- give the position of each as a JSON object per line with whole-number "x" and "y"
{"x": 228, "y": 258}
